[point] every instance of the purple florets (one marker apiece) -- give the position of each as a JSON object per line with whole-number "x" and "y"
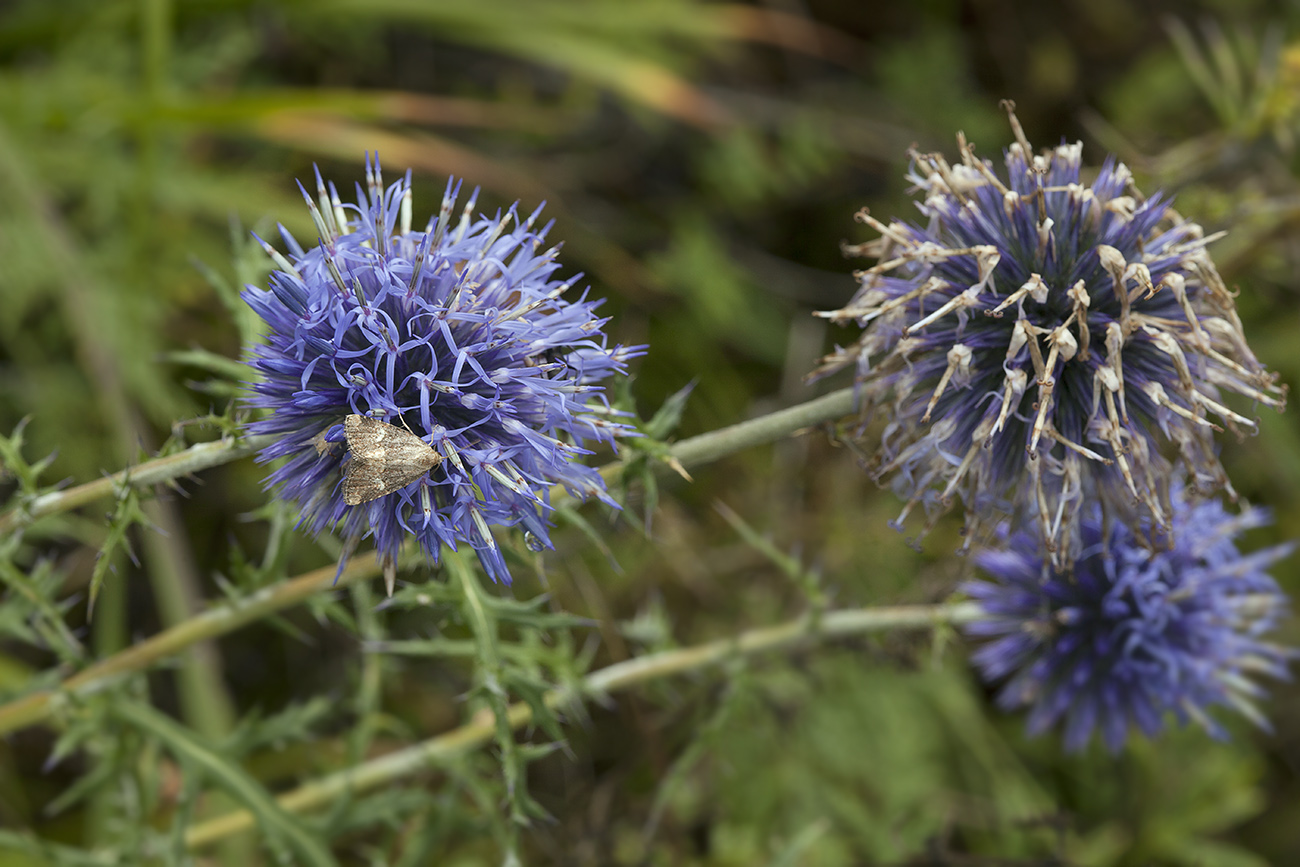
{"x": 1132, "y": 633}
{"x": 458, "y": 333}
{"x": 1037, "y": 342}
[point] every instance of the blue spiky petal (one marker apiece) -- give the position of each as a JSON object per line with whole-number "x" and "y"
{"x": 1132, "y": 635}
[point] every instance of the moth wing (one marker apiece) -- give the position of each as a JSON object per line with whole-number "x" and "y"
{"x": 362, "y": 487}
{"x": 364, "y": 433}
{"x": 385, "y": 458}
{"x": 370, "y": 480}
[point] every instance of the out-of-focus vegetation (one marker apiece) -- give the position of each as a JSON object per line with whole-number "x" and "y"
{"x": 703, "y": 162}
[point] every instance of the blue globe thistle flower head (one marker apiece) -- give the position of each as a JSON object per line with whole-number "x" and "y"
{"x": 1132, "y": 634}
{"x": 1038, "y": 342}
{"x": 459, "y": 334}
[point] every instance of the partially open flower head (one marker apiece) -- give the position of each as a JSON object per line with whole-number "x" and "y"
{"x": 459, "y": 334}
{"x": 1132, "y": 635}
{"x": 1039, "y": 342}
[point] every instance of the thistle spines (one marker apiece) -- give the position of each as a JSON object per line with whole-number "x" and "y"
{"x": 1079, "y": 327}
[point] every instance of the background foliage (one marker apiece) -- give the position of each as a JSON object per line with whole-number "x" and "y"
{"x": 703, "y": 162}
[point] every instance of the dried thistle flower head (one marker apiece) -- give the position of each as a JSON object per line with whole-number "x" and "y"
{"x": 1039, "y": 343}
{"x": 1132, "y": 634}
{"x": 460, "y": 337}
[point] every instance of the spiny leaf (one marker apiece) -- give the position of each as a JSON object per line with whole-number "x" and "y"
{"x": 14, "y": 465}
{"x": 643, "y": 452}
{"x": 279, "y": 824}
{"x": 529, "y": 613}
{"x": 37, "y": 590}
{"x": 533, "y": 691}
{"x": 669, "y": 415}
{"x": 126, "y": 514}
{"x": 294, "y": 723}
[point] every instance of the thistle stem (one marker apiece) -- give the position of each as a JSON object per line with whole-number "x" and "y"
{"x": 151, "y": 472}
{"x": 696, "y": 451}
{"x": 717, "y": 444}
{"x": 225, "y": 618}
{"x": 619, "y": 676}
{"x": 34, "y": 707}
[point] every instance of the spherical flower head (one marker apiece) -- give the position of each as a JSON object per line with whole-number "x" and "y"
{"x": 1037, "y": 342}
{"x": 1132, "y": 634}
{"x": 459, "y": 334}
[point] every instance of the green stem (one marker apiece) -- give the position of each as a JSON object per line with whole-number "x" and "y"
{"x": 426, "y": 754}
{"x": 693, "y": 452}
{"x": 717, "y": 444}
{"x": 151, "y": 472}
{"x": 33, "y": 708}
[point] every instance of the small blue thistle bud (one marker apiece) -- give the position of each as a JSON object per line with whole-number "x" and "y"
{"x": 459, "y": 334}
{"x": 1038, "y": 341}
{"x": 1132, "y": 633}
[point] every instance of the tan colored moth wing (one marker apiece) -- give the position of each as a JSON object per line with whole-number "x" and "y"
{"x": 385, "y": 458}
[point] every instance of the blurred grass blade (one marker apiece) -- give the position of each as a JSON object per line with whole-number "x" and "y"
{"x": 212, "y": 362}
{"x": 582, "y": 39}
{"x": 793, "y": 853}
{"x": 1198, "y": 67}
{"x": 393, "y": 106}
{"x": 338, "y": 138}
{"x": 641, "y": 81}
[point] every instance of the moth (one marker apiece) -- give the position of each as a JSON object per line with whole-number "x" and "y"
{"x": 385, "y": 458}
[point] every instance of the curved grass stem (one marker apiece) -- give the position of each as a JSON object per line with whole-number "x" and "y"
{"x": 620, "y": 676}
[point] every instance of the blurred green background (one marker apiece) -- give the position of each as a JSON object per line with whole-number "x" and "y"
{"x": 703, "y": 162}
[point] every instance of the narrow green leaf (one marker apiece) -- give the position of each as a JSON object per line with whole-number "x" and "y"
{"x": 803, "y": 841}
{"x": 669, "y": 415}
{"x": 571, "y": 516}
{"x": 228, "y": 368}
{"x": 125, "y": 515}
{"x": 189, "y": 747}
